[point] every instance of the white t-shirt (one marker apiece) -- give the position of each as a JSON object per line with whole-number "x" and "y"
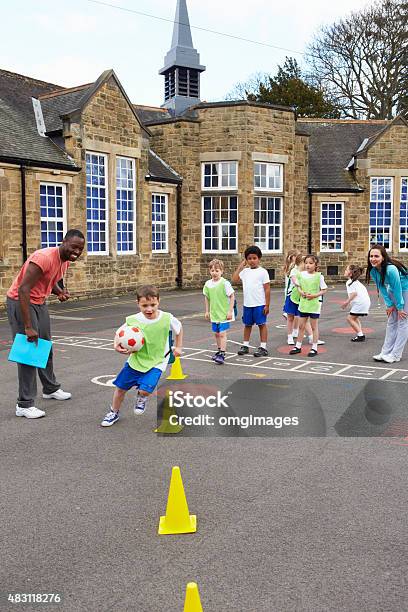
{"x": 228, "y": 291}
{"x": 361, "y": 303}
{"x": 175, "y": 327}
{"x": 323, "y": 285}
{"x": 253, "y": 281}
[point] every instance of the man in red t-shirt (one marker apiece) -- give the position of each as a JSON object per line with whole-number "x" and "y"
{"x": 28, "y": 314}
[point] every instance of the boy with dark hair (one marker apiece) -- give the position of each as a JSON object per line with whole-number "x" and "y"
{"x": 144, "y": 368}
{"x": 257, "y": 291}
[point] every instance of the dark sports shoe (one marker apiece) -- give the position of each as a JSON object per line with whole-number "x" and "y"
{"x": 220, "y": 358}
{"x": 358, "y": 339}
{"x": 244, "y": 350}
{"x": 295, "y": 351}
{"x": 261, "y": 352}
{"x": 214, "y": 357}
{"x": 312, "y": 353}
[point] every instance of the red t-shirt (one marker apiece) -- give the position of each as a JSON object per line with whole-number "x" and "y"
{"x": 53, "y": 269}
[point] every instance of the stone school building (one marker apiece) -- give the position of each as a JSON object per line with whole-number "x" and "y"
{"x": 159, "y": 192}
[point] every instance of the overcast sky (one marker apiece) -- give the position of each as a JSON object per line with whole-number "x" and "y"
{"x": 70, "y": 42}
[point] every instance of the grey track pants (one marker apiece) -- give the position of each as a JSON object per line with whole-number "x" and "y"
{"x": 27, "y": 375}
{"x": 396, "y": 334}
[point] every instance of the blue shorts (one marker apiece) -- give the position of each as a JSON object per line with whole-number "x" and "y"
{"x": 290, "y": 307}
{"x": 220, "y": 327}
{"x": 312, "y": 315}
{"x": 128, "y": 378}
{"x": 253, "y": 315}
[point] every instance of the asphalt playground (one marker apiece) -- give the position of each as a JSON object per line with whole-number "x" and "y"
{"x": 307, "y": 518}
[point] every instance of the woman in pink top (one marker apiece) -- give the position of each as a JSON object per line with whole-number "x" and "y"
{"x": 28, "y": 314}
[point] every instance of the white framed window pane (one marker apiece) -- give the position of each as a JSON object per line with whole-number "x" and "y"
{"x": 268, "y": 223}
{"x": 219, "y": 175}
{"x": 125, "y": 205}
{"x": 159, "y": 223}
{"x": 268, "y": 176}
{"x": 380, "y": 216}
{"x": 219, "y": 223}
{"x": 96, "y": 204}
{"x": 403, "y": 229}
{"x": 52, "y": 214}
{"x": 331, "y": 226}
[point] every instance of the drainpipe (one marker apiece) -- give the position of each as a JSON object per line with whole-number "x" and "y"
{"x": 179, "y": 279}
{"x": 23, "y": 244}
{"x": 309, "y": 229}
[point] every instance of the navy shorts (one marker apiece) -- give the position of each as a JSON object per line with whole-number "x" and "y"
{"x": 128, "y": 378}
{"x": 218, "y": 328}
{"x": 290, "y": 307}
{"x": 312, "y": 315}
{"x": 253, "y": 315}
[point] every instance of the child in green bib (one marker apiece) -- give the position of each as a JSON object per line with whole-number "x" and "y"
{"x": 311, "y": 286}
{"x": 219, "y": 307}
{"x": 144, "y": 368}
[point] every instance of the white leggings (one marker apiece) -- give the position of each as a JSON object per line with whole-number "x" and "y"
{"x": 396, "y": 333}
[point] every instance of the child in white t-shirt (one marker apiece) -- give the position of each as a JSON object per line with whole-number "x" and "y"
{"x": 257, "y": 291}
{"x": 358, "y": 300}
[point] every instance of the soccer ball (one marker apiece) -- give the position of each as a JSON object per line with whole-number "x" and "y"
{"x": 130, "y": 338}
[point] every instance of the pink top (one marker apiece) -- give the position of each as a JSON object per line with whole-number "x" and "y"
{"x": 53, "y": 269}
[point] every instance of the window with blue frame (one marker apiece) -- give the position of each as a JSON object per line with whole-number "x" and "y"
{"x": 159, "y": 223}
{"x": 403, "y": 239}
{"x": 332, "y": 226}
{"x": 268, "y": 223}
{"x": 125, "y": 205}
{"x": 220, "y": 224}
{"x": 96, "y": 204}
{"x": 52, "y": 214}
{"x": 381, "y": 211}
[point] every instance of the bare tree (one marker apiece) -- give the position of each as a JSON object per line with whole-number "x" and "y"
{"x": 362, "y": 60}
{"x": 241, "y": 91}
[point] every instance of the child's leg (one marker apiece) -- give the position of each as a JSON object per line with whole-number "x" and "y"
{"x": 146, "y": 386}
{"x": 218, "y": 340}
{"x": 315, "y": 332}
{"x": 263, "y": 334}
{"x": 355, "y": 323}
{"x": 247, "y": 333}
{"x": 289, "y": 324}
{"x": 118, "y": 397}
{"x": 222, "y": 341}
{"x": 302, "y": 326}
{"x": 295, "y": 326}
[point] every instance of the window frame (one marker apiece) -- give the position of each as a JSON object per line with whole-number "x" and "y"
{"x": 63, "y": 187}
{"x": 133, "y": 189}
{"x": 267, "y": 225}
{"x": 219, "y": 225}
{"x": 218, "y": 164}
{"x": 166, "y": 221}
{"x": 379, "y": 178}
{"x": 328, "y": 225}
{"x": 269, "y": 165}
{"x": 405, "y": 249}
{"x": 107, "y": 211}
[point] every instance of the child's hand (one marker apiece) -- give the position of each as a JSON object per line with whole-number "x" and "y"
{"x": 207, "y": 315}
{"x": 344, "y": 305}
{"x": 310, "y": 296}
{"x": 266, "y": 310}
{"x": 177, "y": 350}
{"x": 229, "y": 315}
{"x": 242, "y": 265}
{"x": 119, "y": 348}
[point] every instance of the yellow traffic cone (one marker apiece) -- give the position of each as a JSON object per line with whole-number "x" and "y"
{"x": 177, "y": 519}
{"x": 192, "y": 602}
{"x": 176, "y": 372}
{"x": 166, "y": 426}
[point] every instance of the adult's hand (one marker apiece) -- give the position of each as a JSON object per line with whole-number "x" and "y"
{"x": 402, "y": 314}
{"x": 390, "y": 310}
{"x": 64, "y": 296}
{"x": 32, "y": 334}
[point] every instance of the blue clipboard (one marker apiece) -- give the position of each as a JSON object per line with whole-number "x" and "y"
{"x": 30, "y": 353}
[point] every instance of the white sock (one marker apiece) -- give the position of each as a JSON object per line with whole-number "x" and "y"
{"x": 360, "y": 334}
{"x": 290, "y": 337}
{"x": 314, "y": 346}
{"x": 295, "y": 333}
{"x": 298, "y": 345}
{"x": 263, "y": 345}
{"x": 246, "y": 342}
{"x": 310, "y": 338}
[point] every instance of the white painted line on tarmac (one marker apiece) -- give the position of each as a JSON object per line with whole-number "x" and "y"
{"x": 53, "y": 316}
{"x": 388, "y": 374}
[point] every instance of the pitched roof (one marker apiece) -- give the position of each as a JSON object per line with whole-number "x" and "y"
{"x": 20, "y": 141}
{"x": 150, "y": 114}
{"x": 332, "y": 144}
{"x": 61, "y": 102}
{"x": 160, "y": 171}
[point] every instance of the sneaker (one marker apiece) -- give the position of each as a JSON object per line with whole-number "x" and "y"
{"x": 284, "y": 315}
{"x": 291, "y": 341}
{"x": 140, "y": 406}
{"x": 295, "y": 351}
{"x": 319, "y": 342}
{"x": 220, "y": 358}
{"x": 214, "y": 357}
{"x": 29, "y": 413}
{"x": 59, "y": 394}
{"x": 244, "y": 350}
{"x": 261, "y": 352}
{"x": 389, "y": 358}
{"x": 378, "y": 357}
{"x": 110, "y": 418}
{"x": 358, "y": 339}
{"x": 312, "y": 353}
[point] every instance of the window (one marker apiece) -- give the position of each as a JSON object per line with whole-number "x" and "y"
{"x": 53, "y": 214}
{"x": 268, "y": 223}
{"x": 381, "y": 211}
{"x": 96, "y": 204}
{"x": 403, "y": 240}
{"x": 125, "y": 205}
{"x": 159, "y": 223}
{"x": 219, "y": 175}
{"x": 268, "y": 177}
{"x": 332, "y": 226}
{"x": 220, "y": 218}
